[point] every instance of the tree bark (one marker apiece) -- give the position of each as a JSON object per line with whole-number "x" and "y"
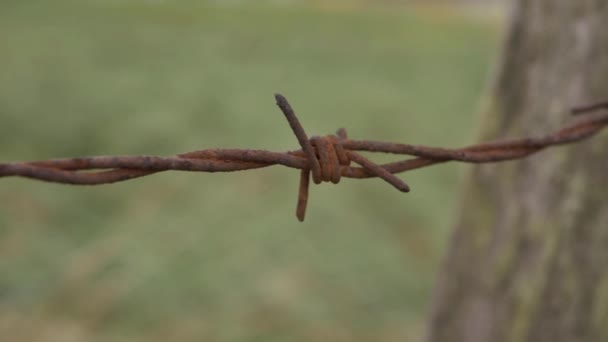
{"x": 528, "y": 259}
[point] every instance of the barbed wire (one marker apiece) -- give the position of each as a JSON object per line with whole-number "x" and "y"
{"x": 327, "y": 158}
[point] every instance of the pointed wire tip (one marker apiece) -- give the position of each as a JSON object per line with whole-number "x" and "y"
{"x": 401, "y": 185}
{"x": 279, "y": 98}
{"x": 284, "y": 105}
{"x": 303, "y": 195}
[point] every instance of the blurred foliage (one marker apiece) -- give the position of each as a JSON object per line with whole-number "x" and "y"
{"x": 221, "y": 257}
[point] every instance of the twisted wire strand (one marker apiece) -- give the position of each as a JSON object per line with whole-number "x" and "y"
{"x": 326, "y": 159}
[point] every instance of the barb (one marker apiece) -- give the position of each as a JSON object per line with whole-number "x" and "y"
{"x": 590, "y": 108}
{"x": 328, "y": 158}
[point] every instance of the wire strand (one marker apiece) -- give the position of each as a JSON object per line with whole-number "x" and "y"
{"x": 326, "y": 158}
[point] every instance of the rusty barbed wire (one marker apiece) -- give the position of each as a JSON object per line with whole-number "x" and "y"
{"x": 327, "y": 158}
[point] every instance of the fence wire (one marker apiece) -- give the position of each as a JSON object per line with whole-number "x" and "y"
{"x": 327, "y": 158}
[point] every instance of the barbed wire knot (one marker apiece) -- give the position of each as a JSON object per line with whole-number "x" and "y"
{"x": 326, "y": 156}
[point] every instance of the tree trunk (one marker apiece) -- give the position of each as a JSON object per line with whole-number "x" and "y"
{"x": 528, "y": 260}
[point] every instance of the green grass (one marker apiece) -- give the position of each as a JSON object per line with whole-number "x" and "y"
{"x": 221, "y": 257}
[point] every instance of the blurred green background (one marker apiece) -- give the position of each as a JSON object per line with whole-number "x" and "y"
{"x": 221, "y": 257}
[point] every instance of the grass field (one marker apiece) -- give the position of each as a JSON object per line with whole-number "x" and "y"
{"x": 221, "y": 257}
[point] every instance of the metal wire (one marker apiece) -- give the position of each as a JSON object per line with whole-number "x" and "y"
{"x": 327, "y": 158}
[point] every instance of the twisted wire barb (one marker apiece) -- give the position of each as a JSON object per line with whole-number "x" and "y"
{"x": 328, "y": 158}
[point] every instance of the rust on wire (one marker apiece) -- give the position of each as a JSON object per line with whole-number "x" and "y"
{"x": 326, "y": 159}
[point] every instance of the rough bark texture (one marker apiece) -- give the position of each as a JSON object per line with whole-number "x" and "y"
{"x": 528, "y": 260}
